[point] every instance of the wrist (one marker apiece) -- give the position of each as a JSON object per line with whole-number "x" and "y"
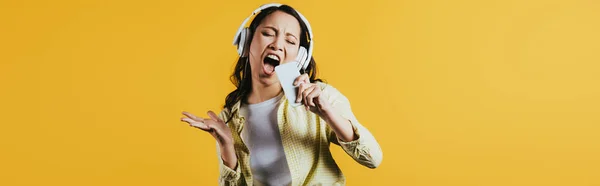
{"x": 227, "y": 150}
{"x": 228, "y": 156}
{"x": 328, "y": 115}
{"x": 341, "y": 126}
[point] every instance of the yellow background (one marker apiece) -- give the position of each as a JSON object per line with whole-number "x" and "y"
{"x": 458, "y": 93}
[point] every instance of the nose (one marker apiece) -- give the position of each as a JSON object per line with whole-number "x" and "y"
{"x": 277, "y": 44}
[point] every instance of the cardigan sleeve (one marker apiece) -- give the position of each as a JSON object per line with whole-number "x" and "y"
{"x": 365, "y": 149}
{"x": 227, "y": 176}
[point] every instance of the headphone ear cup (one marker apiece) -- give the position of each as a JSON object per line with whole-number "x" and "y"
{"x": 242, "y": 43}
{"x": 246, "y": 42}
{"x": 302, "y": 55}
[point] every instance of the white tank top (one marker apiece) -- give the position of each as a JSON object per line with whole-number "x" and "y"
{"x": 261, "y": 135}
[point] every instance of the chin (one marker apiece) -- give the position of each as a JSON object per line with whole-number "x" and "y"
{"x": 269, "y": 80}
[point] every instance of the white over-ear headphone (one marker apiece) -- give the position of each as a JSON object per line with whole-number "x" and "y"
{"x": 243, "y": 35}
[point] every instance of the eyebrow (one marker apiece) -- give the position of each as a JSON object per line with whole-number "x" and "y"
{"x": 276, "y": 30}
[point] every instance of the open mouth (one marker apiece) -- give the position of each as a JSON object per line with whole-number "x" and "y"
{"x": 270, "y": 62}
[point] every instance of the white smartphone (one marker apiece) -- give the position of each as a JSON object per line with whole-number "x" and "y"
{"x": 287, "y": 74}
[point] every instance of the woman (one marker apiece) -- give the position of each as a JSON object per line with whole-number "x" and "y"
{"x": 261, "y": 138}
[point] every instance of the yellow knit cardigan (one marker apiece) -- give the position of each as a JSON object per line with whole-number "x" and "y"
{"x": 306, "y": 139}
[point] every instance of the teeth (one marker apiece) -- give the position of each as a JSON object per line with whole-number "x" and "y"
{"x": 274, "y": 57}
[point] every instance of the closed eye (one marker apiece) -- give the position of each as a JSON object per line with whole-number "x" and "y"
{"x": 266, "y": 34}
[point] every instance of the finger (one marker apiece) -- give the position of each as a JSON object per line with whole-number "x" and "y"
{"x": 214, "y": 116}
{"x": 307, "y": 100}
{"x": 313, "y": 94}
{"x": 188, "y": 120}
{"x": 300, "y": 90}
{"x": 319, "y": 102}
{"x": 323, "y": 105}
{"x": 301, "y": 79}
{"x": 298, "y": 80}
{"x": 201, "y": 126}
{"x": 190, "y": 115}
{"x": 196, "y": 124}
{"x": 306, "y": 79}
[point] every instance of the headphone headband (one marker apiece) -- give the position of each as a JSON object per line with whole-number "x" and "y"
{"x": 237, "y": 40}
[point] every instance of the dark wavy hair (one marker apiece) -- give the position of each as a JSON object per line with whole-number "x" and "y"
{"x": 241, "y": 76}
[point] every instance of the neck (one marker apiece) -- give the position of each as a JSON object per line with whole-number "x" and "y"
{"x": 261, "y": 92}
